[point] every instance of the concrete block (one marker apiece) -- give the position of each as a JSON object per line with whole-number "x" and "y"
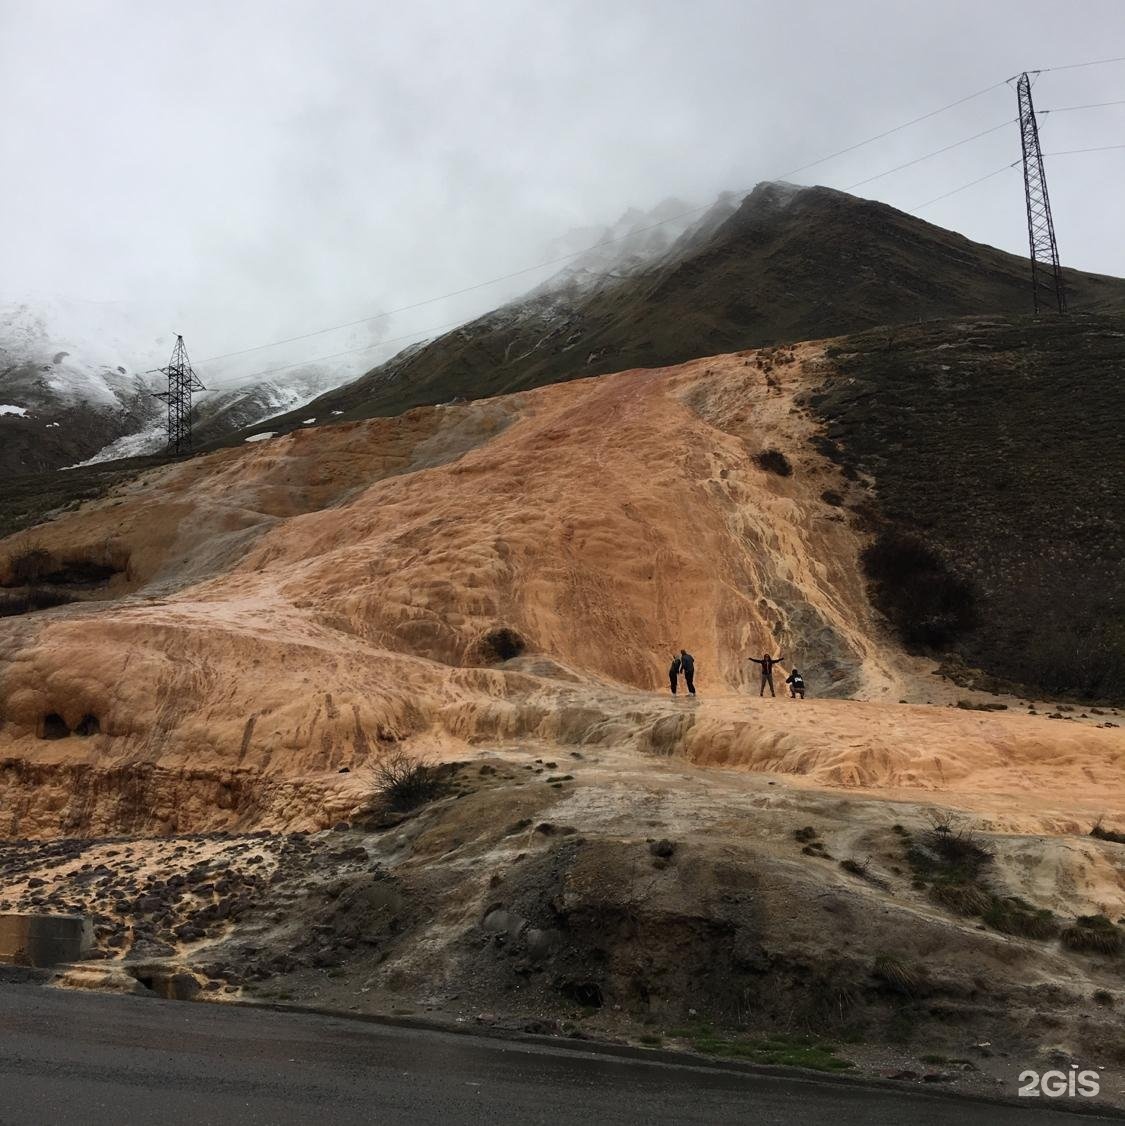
{"x": 44, "y": 940}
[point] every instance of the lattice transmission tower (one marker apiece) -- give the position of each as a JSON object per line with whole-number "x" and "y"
{"x": 1046, "y": 275}
{"x": 182, "y": 381}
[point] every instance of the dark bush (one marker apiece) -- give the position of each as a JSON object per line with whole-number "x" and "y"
{"x": 27, "y": 565}
{"x": 774, "y": 461}
{"x": 1104, "y": 834}
{"x": 1093, "y": 934}
{"x": 928, "y": 605}
{"x": 1011, "y": 915}
{"x": 34, "y": 599}
{"x": 404, "y": 783}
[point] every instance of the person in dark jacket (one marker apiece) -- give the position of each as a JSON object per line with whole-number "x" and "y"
{"x": 674, "y": 674}
{"x": 767, "y": 662}
{"x": 796, "y": 684}
{"x": 687, "y": 666}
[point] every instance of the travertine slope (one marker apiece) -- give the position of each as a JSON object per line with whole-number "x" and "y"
{"x": 495, "y": 572}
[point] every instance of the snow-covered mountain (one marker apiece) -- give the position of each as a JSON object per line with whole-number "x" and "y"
{"x": 72, "y": 378}
{"x": 76, "y": 378}
{"x": 77, "y": 385}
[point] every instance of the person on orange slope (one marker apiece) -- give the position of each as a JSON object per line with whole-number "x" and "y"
{"x": 674, "y": 674}
{"x": 796, "y": 684}
{"x": 687, "y": 667}
{"x": 767, "y": 662}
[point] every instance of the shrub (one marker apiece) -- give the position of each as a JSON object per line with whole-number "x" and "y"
{"x": 405, "y": 783}
{"x": 1093, "y": 934}
{"x": 928, "y": 605}
{"x": 962, "y": 899}
{"x": 1103, "y": 834}
{"x": 1011, "y": 915}
{"x": 28, "y": 565}
{"x": 896, "y": 974}
{"x": 774, "y": 461}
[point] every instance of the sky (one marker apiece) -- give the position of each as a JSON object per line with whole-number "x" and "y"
{"x": 255, "y": 170}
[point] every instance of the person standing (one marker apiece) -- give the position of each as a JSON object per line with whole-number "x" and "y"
{"x": 767, "y": 662}
{"x": 687, "y": 665}
{"x": 674, "y": 674}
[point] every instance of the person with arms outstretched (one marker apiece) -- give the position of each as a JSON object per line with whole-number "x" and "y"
{"x": 767, "y": 662}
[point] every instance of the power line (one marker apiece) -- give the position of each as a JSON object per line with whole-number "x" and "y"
{"x": 936, "y": 152}
{"x": 896, "y": 129}
{"x": 1077, "y": 66}
{"x": 418, "y": 334}
{"x": 997, "y": 171}
{"x": 1089, "y": 105}
{"x": 1070, "y": 152}
{"x": 598, "y": 245}
{"x": 963, "y": 187}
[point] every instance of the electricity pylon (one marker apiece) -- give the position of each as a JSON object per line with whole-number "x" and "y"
{"x": 182, "y": 381}
{"x": 1046, "y": 275}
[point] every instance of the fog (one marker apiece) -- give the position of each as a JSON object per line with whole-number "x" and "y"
{"x": 253, "y": 170}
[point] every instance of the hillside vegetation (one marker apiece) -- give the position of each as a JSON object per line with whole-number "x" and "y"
{"x": 995, "y": 445}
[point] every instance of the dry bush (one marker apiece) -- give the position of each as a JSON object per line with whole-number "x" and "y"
{"x": 404, "y": 783}
{"x": 894, "y": 973}
{"x": 1093, "y": 934}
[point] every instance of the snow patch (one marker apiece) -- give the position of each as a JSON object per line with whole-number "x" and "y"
{"x": 261, "y": 437}
{"x": 308, "y": 422}
{"x": 8, "y": 408}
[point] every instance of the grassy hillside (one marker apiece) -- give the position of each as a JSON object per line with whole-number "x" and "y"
{"x": 996, "y": 450}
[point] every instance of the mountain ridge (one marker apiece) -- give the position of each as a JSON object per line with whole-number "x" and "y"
{"x": 788, "y": 264}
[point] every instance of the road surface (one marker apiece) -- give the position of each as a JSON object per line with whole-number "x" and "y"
{"x": 96, "y": 1060}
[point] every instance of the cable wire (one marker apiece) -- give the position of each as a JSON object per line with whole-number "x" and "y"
{"x": 936, "y": 152}
{"x": 1069, "y": 152}
{"x": 1090, "y": 105}
{"x": 970, "y": 184}
{"x": 1077, "y": 66}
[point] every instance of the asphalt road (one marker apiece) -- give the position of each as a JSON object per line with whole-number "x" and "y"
{"x": 91, "y": 1059}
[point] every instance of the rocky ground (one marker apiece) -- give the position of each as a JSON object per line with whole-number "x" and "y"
{"x": 615, "y": 896}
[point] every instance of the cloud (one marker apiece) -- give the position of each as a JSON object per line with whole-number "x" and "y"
{"x": 263, "y": 169}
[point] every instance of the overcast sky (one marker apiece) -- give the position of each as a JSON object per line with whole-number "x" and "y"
{"x": 267, "y": 168}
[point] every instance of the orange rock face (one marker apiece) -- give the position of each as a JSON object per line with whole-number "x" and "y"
{"x": 511, "y": 569}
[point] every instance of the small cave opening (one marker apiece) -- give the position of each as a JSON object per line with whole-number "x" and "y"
{"x": 88, "y": 725}
{"x": 585, "y": 993}
{"x": 54, "y": 727}
{"x": 500, "y": 644}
